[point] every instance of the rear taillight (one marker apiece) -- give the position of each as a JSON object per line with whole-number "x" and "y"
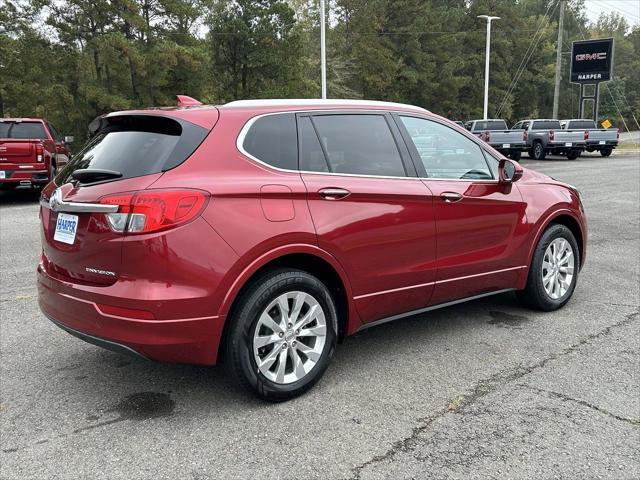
{"x": 586, "y": 134}
{"x": 524, "y": 135}
{"x": 153, "y": 210}
{"x": 487, "y": 136}
{"x": 39, "y": 153}
{"x": 552, "y": 135}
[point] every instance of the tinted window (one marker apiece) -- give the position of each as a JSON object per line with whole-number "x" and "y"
{"x": 312, "y": 158}
{"x": 359, "y": 144}
{"x": 446, "y": 153}
{"x": 272, "y": 140}
{"x": 581, "y": 124}
{"x": 490, "y": 125}
{"x": 546, "y": 125}
{"x": 136, "y": 145}
{"x": 25, "y": 130}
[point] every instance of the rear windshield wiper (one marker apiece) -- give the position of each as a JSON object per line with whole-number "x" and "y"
{"x": 91, "y": 175}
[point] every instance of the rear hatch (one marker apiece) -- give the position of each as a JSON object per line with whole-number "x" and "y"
{"x": 18, "y": 141}
{"x": 82, "y": 224}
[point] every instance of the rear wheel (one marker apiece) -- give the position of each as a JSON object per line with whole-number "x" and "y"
{"x": 573, "y": 154}
{"x": 554, "y": 270}
{"x": 538, "y": 151}
{"x": 605, "y": 152}
{"x": 515, "y": 155}
{"x": 283, "y": 334}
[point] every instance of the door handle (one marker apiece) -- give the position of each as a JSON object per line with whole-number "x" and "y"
{"x": 451, "y": 197}
{"x": 333, "y": 193}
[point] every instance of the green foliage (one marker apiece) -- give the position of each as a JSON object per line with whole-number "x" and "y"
{"x": 71, "y": 60}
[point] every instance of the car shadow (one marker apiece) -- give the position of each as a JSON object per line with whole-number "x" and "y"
{"x": 19, "y": 196}
{"x": 203, "y": 388}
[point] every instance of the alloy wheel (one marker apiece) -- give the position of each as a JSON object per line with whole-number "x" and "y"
{"x": 289, "y": 337}
{"x": 558, "y": 265}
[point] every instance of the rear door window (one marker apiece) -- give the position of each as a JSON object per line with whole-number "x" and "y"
{"x": 359, "y": 144}
{"x": 23, "y": 130}
{"x": 272, "y": 139}
{"x": 136, "y": 145}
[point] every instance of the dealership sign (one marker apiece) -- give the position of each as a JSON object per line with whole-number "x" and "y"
{"x": 592, "y": 60}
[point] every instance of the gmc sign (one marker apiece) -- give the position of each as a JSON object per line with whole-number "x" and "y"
{"x": 591, "y": 60}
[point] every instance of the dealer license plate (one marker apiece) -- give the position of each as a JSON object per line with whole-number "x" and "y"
{"x": 66, "y": 227}
{"x": 568, "y": 144}
{"x": 601, "y": 142}
{"x": 506, "y": 145}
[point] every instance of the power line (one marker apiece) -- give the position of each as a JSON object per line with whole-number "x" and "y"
{"x": 525, "y": 59}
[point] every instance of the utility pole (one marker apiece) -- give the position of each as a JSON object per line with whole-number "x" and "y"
{"x": 486, "y": 63}
{"x": 323, "y": 53}
{"x": 556, "y": 91}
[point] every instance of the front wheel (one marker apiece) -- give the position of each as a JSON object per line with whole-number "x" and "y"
{"x": 283, "y": 334}
{"x": 554, "y": 270}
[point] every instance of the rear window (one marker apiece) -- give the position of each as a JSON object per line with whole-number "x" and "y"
{"x": 491, "y": 125}
{"x": 23, "y": 130}
{"x": 546, "y": 125}
{"x": 581, "y": 124}
{"x": 272, "y": 139}
{"x": 136, "y": 145}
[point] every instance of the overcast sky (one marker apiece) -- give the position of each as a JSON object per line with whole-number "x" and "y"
{"x": 630, "y": 9}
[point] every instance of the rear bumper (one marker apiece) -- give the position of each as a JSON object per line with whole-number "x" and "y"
{"x": 564, "y": 146}
{"x": 512, "y": 146}
{"x": 77, "y": 309}
{"x": 597, "y": 144}
{"x": 33, "y": 175}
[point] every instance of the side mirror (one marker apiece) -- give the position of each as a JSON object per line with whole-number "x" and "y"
{"x": 509, "y": 171}
{"x": 68, "y": 139}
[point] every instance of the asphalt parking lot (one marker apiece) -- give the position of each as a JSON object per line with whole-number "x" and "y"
{"x": 482, "y": 390}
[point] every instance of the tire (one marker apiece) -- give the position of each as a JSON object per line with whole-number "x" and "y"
{"x": 590, "y": 149}
{"x": 605, "y": 152}
{"x": 515, "y": 155}
{"x": 535, "y": 295}
{"x": 572, "y": 154}
{"x": 538, "y": 151}
{"x": 259, "y": 301}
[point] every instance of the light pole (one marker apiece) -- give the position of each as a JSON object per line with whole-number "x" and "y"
{"x": 323, "y": 54}
{"x": 486, "y": 63}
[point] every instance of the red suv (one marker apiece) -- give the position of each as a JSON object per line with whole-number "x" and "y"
{"x": 269, "y": 230}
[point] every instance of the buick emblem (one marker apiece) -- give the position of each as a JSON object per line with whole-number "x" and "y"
{"x": 55, "y": 199}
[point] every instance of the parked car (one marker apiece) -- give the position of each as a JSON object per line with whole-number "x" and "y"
{"x": 547, "y": 137}
{"x": 266, "y": 231}
{"x": 603, "y": 140}
{"x": 31, "y": 151}
{"x": 496, "y": 133}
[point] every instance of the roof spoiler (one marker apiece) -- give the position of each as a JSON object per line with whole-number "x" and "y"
{"x": 185, "y": 101}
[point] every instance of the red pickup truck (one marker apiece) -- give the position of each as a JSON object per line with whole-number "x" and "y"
{"x": 31, "y": 152}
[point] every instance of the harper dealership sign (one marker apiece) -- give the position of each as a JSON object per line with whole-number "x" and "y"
{"x": 592, "y": 60}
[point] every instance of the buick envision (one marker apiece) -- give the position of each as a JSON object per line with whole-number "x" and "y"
{"x": 266, "y": 231}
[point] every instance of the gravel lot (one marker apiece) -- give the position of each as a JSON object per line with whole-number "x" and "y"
{"x": 481, "y": 390}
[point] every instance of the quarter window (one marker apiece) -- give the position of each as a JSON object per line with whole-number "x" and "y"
{"x": 446, "y": 153}
{"x": 359, "y": 144}
{"x": 312, "y": 158}
{"x": 272, "y": 139}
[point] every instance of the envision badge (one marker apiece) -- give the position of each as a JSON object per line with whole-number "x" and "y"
{"x": 99, "y": 272}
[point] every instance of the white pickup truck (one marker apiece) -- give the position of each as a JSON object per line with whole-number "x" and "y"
{"x": 603, "y": 140}
{"x": 496, "y": 133}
